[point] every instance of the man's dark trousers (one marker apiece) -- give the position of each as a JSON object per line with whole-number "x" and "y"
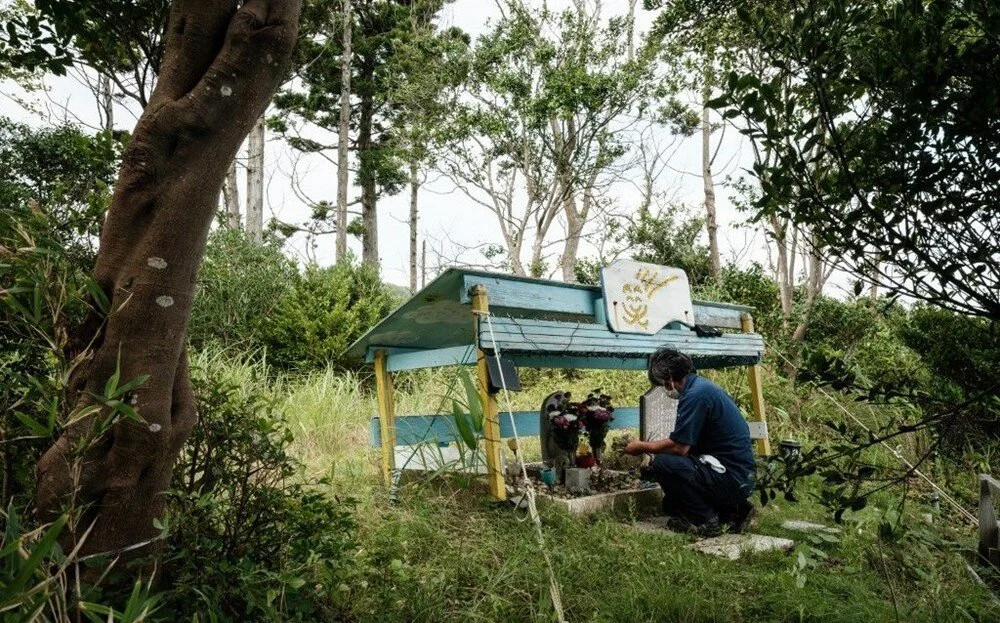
{"x": 693, "y": 491}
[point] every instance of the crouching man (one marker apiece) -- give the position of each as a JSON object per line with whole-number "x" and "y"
{"x": 706, "y": 467}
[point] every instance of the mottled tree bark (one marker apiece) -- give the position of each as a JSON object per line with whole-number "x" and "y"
{"x": 343, "y": 130}
{"x": 220, "y": 68}
{"x": 369, "y": 196}
{"x": 255, "y": 182}
{"x": 107, "y": 106}
{"x": 231, "y": 197}
{"x": 711, "y": 223}
{"x": 414, "y": 188}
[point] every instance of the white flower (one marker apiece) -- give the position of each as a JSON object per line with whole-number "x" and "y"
{"x": 571, "y": 418}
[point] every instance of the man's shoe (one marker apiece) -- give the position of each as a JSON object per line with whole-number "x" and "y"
{"x": 740, "y": 518}
{"x": 707, "y": 529}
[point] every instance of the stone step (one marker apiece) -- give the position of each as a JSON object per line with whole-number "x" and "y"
{"x": 807, "y": 526}
{"x": 733, "y": 546}
{"x": 730, "y": 546}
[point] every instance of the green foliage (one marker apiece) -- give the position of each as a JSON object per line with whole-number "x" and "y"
{"x": 875, "y": 125}
{"x": 324, "y": 313}
{"x": 54, "y": 188}
{"x": 963, "y": 356}
{"x": 747, "y": 286}
{"x": 240, "y": 284}
{"x": 119, "y": 38}
{"x": 398, "y": 69}
{"x": 250, "y": 537}
{"x": 670, "y": 238}
{"x": 61, "y": 172}
{"x": 859, "y": 341}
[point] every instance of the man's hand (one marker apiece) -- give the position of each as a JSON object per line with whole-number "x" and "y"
{"x": 636, "y": 447}
{"x": 657, "y": 447}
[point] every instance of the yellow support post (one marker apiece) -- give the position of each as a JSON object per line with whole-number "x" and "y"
{"x": 386, "y": 415}
{"x": 491, "y": 423}
{"x": 756, "y": 392}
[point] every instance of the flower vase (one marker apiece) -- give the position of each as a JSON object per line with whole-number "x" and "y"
{"x": 598, "y": 452}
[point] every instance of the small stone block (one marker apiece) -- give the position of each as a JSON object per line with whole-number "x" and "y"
{"x": 733, "y": 546}
{"x": 639, "y": 500}
{"x": 806, "y": 526}
{"x": 578, "y": 479}
{"x": 653, "y": 525}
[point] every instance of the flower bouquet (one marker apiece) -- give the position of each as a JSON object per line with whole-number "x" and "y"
{"x": 565, "y": 423}
{"x": 597, "y": 414}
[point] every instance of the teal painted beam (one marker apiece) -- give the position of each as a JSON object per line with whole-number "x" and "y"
{"x": 532, "y": 295}
{"x": 432, "y": 358}
{"x": 416, "y": 429}
{"x": 390, "y": 350}
{"x": 579, "y": 362}
{"x": 575, "y": 344}
{"x": 639, "y": 362}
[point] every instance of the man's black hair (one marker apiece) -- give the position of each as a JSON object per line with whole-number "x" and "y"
{"x": 667, "y": 363}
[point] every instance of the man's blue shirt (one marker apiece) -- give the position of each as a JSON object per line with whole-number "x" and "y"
{"x": 710, "y": 422}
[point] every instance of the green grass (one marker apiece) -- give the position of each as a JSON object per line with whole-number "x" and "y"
{"x": 445, "y": 553}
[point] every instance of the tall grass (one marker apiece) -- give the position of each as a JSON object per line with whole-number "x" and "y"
{"x": 446, "y": 554}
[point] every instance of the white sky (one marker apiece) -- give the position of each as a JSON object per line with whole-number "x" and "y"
{"x": 449, "y": 221}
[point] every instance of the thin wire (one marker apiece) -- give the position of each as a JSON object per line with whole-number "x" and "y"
{"x": 894, "y": 452}
{"x": 554, "y": 590}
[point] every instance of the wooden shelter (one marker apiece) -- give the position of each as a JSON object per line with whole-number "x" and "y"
{"x": 539, "y": 324}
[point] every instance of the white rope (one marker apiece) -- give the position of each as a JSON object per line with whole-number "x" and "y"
{"x": 894, "y": 452}
{"x": 554, "y": 589}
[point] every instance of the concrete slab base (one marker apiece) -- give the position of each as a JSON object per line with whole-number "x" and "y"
{"x": 641, "y": 500}
{"x": 733, "y": 546}
{"x": 434, "y": 458}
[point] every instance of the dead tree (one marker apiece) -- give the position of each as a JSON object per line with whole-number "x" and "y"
{"x": 220, "y": 68}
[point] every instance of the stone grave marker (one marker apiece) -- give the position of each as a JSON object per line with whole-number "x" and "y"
{"x": 657, "y": 415}
{"x": 552, "y": 454}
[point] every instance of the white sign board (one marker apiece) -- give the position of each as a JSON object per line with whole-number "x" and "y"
{"x": 644, "y": 298}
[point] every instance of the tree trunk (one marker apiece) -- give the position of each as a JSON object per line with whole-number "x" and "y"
{"x": 574, "y": 229}
{"x": 220, "y": 67}
{"x": 231, "y": 197}
{"x": 255, "y": 182}
{"x": 709, "y": 184}
{"x": 342, "y": 134}
{"x": 564, "y": 142}
{"x": 107, "y": 103}
{"x": 369, "y": 215}
{"x": 414, "y": 187}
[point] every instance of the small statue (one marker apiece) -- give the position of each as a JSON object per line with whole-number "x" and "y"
{"x": 559, "y": 433}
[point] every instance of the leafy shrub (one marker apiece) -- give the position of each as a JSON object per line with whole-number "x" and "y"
{"x": 240, "y": 283}
{"x": 54, "y": 187}
{"x": 670, "y": 238}
{"x": 859, "y": 342}
{"x": 747, "y": 286}
{"x": 963, "y": 355}
{"x": 326, "y": 311}
{"x": 251, "y": 539}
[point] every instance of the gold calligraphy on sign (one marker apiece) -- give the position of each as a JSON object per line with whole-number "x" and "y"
{"x": 638, "y": 294}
